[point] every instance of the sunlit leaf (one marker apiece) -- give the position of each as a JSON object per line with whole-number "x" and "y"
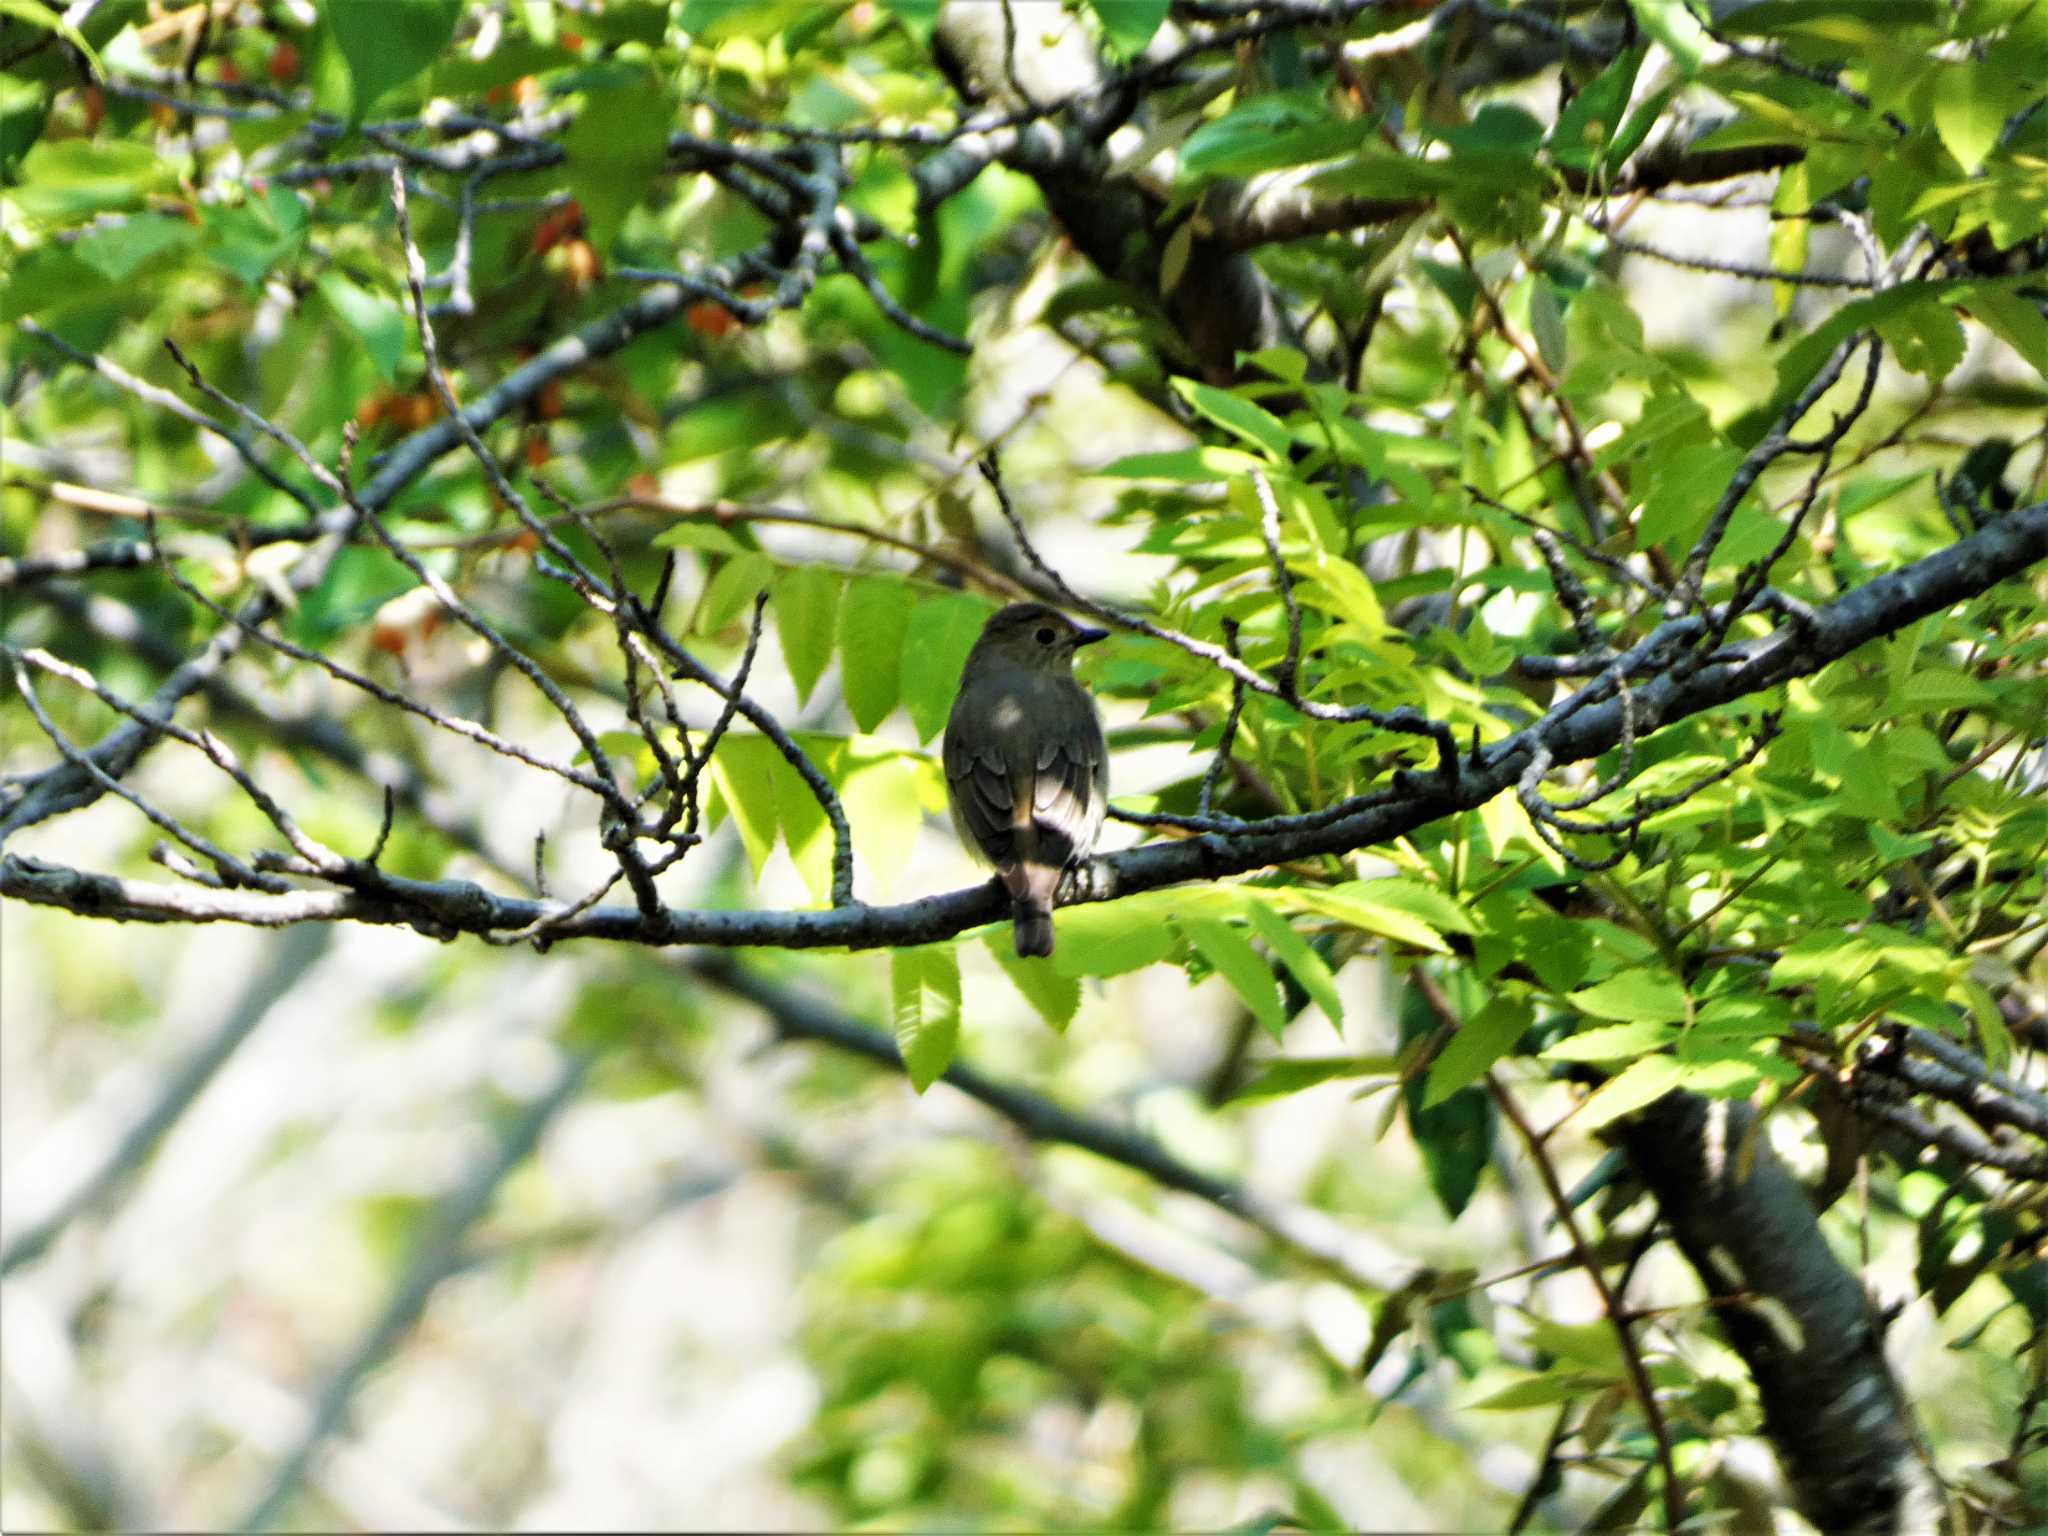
{"x": 924, "y": 987}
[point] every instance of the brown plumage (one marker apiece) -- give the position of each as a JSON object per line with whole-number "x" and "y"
{"x": 1026, "y": 768}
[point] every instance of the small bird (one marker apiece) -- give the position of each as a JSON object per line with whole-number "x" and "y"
{"x": 1026, "y": 768}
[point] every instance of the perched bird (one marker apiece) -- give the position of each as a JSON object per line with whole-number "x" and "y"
{"x": 1026, "y": 768}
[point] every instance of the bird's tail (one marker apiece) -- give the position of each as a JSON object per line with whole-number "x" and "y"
{"x": 1032, "y": 887}
{"x": 1034, "y": 930}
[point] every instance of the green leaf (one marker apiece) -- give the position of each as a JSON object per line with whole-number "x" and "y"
{"x": 1480, "y": 1041}
{"x": 1056, "y": 995}
{"x": 1254, "y": 423}
{"x": 1291, "y": 1074}
{"x": 1374, "y": 172}
{"x": 24, "y": 109}
{"x": 1231, "y": 956}
{"x": 941, "y": 632}
{"x": 1433, "y": 905}
{"x": 742, "y": 769}
{"x": 1642, "y": 1082}
{"x": 1295, "y": 952}
{"x": 1684, "y": 486}
{"x": 1546, "y": 322}
{"x": 66, "y": 179}
{"x": 1107, "y": 940}
{"x": 1205, "y": 463}
{"x": 1128, "y": 25}
{"x": 120, "y": 250}
{"x": 1612, "y": 1042}
{"x": 1287, "y": 364}
{"x": 924, "y": 986}
{"x": 1674, "y": 25}
{"x": 698, "y": 533}
{"x": 1927, "y": 339}
{"x": 1969, "y": 112}
{"x": 1361, "y": 906}
{"x": 737, "y": 582}
{"x": 1590, "y": 120}
{"x": 1638, "y": 996}
{"x": 806, "y": 834}
{"x": 1266, "y": 134}
{"x": 1591, "y": 1346}
{"x": 885, "y": 807}
{"x": 616, "y": 149}
{"x": 1541, "y": 1391}
{"x": 1804, "y": 358}
{"x": 389, "y": 42}
{"x": 1455, "y": 1135}
{"x": 806, "y": 602}
{"x": 51, "y": 19}
{"x": 2014, "y": 320}
{"x": 252, "y": 239}
{"x": 873, "y": 616}
{"x": 374, "y": 320}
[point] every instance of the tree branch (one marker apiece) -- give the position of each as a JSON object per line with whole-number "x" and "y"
{"x": 2004, "y": 548}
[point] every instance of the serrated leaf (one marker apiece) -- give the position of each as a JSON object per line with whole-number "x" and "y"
{"x": 741, "y": 770}
{"x": 1432, "y": 904}
{"x": 736, "y": 584}
{"x": 1927, "y": 339}
{"x": 1205, "y": 463}
{"x": 1291, "y": 1074}
{"x": 698, "y": 534}
{"x": 1612, "y": 1042}
{"x": 1231, "y": 956}
{"x": 806, "y": 603}
{"x": 2014, "y": 320}
{"x": 924, "y": 987}
{"x": 1969, "y": 113}
{"x": 874, "y": 613}
{"x": 118, "y": 251}
{"x": 1540, "y": 1391}
{"x": 1641, "y": 1082}
{"x": 1128, "y": 25}
{"x": 1055, "y": 995}
{"x": 1636, "y": 996}
{"x": 1104, "y": 940}
{"x": 1254, "y": 423}
{"x": 941, "y": 632}
{"x": 1593, "y": 117}
{"x": 1359, "y": 906}
{"x": 1295, "y": 952}
{"x": 1478, "y": 1043}
{"x": 885, "y": 809}
{"x": 1592, "y": 1346}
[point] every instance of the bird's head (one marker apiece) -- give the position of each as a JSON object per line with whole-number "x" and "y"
{"x": 1033, "y": 636}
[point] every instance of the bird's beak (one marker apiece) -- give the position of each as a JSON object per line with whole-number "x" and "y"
{"x": 1085, "y": 636}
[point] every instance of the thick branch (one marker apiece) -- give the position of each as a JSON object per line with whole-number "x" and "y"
{"x": 1795, "y": 1314}
{"x": 2003, "y": 549}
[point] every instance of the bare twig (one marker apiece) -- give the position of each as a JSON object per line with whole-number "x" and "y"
{"x": 1405, "y": 720}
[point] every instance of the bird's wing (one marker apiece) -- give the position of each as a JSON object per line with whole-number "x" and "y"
{"x": 1033, "y": 793}
{"x": 1071, "y": 787}
{"x": 981, "y": 797}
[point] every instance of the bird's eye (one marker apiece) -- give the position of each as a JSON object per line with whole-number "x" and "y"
{"x": 1046, "y": 636}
